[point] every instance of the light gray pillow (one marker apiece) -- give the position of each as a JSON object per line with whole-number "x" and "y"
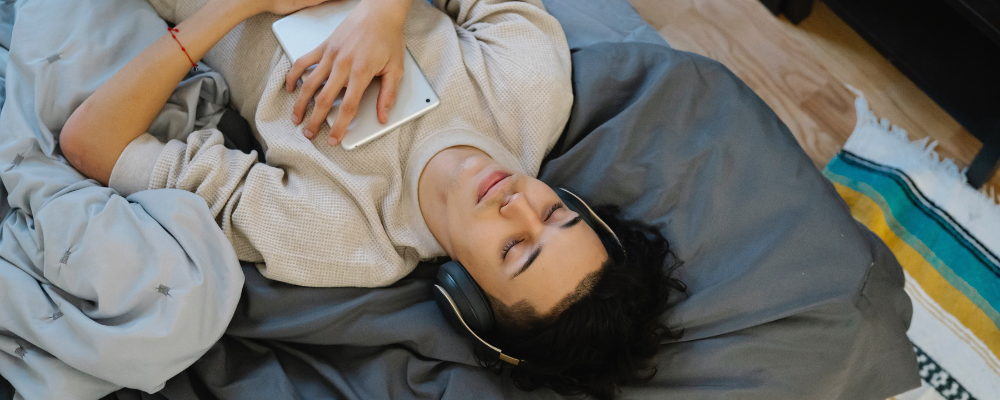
{"x": 788, "y": 296}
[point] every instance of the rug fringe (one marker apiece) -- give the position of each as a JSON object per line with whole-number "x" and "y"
{"x": 925, "y": 147}
{"x": 990, "y": 193}
{"x": 939, "y": 179}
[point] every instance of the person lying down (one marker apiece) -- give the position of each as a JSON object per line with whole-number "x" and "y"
{"x": 457, "y": 182}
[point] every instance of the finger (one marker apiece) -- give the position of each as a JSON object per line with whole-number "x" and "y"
{"x": 326, "y": 97}
{"x": 309, "y": 88}
{"x": 387, "y": 94}
{"x": 349, "y": 106}
{"x": 300, "y": 66}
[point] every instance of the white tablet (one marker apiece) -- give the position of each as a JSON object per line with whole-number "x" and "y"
{"x": 306, "y": 29}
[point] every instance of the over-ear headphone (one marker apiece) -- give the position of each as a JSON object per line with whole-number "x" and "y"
{"x": 465, "y": 304}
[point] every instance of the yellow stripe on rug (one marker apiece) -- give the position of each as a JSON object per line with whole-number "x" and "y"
{"x": 943, "y": 293}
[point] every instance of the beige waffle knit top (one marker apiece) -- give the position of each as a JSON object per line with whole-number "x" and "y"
{"x": 316, "y": 215}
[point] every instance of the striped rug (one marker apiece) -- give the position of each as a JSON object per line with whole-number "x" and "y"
{"x": 946, "y": 236}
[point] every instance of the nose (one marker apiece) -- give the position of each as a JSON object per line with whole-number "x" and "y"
{"x": 520, "y": 211}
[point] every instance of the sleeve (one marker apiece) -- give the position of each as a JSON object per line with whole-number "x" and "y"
{"x": 205, "y": 167}
{"x": 298, "y": 224}
{"x": 521, "y": 31}
{"x": 135, "y": 165}
{"x": 517, "y": 55}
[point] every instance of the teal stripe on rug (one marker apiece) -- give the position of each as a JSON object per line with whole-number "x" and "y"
{"x": 947, "y": 252}
{"x": 933, "y": 228}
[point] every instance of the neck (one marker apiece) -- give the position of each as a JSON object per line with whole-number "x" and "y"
{"x": 432, "y": 189}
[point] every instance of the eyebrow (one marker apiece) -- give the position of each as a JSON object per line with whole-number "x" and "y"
{"x": 531, "y": 259}
{"x": 571, "y": 222}
{"x": 538, "y": 250}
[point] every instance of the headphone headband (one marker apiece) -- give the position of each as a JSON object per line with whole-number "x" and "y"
{"x": 454, "y": 307}
{"x": 608, "y": 237}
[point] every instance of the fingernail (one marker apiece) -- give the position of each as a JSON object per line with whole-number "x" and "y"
{"x": 296, "y": 119}
{"x": 309, "y": 133}
{"x": 333, "y": 141}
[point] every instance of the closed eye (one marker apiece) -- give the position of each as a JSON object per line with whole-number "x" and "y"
{"x": 512, "y": 243}
{"x": 508, "y": 246}
{"x": 553, "y": 210}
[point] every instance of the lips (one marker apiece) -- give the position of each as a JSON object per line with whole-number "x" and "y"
{"x": 489, "y": 182}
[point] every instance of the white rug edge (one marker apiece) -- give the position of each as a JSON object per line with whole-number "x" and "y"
{"x": 939, "y": 180}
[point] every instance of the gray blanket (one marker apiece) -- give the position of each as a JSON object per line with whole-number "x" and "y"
{"x": 789, "y": 297}
{"x": 97, "y": 291}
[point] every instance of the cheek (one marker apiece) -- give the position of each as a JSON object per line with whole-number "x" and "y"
{"x": 475, "y": 241}
{"x": 478, "y": 253}
{"x": 469, "y": 232}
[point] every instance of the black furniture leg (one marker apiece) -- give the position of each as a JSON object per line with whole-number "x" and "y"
{"x": 797, "y": 10}
{"x": 794, "y": 10}
{"x": 987, "y": 160}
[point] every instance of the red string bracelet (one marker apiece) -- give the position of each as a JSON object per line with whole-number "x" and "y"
{"x": 172, "y": 30}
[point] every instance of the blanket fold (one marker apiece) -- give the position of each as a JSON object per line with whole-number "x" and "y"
{"x": 98, "y": 291}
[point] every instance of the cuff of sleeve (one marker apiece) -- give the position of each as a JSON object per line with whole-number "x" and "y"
{"x": 135, "y": 165}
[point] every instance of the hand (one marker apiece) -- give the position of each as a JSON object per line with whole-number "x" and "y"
{"x": 367, "y": 44}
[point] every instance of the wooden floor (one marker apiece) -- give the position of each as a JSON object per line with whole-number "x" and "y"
{"x": 800, "y": 71}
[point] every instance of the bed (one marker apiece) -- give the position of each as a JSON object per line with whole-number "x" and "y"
{"x": 788, "y": 297}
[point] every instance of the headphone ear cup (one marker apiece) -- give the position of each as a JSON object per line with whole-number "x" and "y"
{"x": 473, "y": 305}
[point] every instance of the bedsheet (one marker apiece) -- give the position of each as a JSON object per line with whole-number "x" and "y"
{"x": 97, "y": 291}
{"x": 788, "y": 296}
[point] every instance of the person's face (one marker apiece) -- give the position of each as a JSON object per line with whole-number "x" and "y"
{"x": 516, "y": 237}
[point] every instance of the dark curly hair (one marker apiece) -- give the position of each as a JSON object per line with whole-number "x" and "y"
{"x": 604, "y": 335}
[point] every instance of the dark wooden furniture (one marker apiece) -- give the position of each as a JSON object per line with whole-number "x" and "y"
{"x": 948, "y": 48}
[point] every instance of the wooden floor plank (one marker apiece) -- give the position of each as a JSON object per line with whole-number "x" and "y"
{"x": 800, "y": 72}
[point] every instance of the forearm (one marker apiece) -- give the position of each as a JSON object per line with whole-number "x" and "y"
{"x": 123, "y": 107}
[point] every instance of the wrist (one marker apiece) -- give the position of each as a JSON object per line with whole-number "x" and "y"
{"x": 391, "y": 10}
